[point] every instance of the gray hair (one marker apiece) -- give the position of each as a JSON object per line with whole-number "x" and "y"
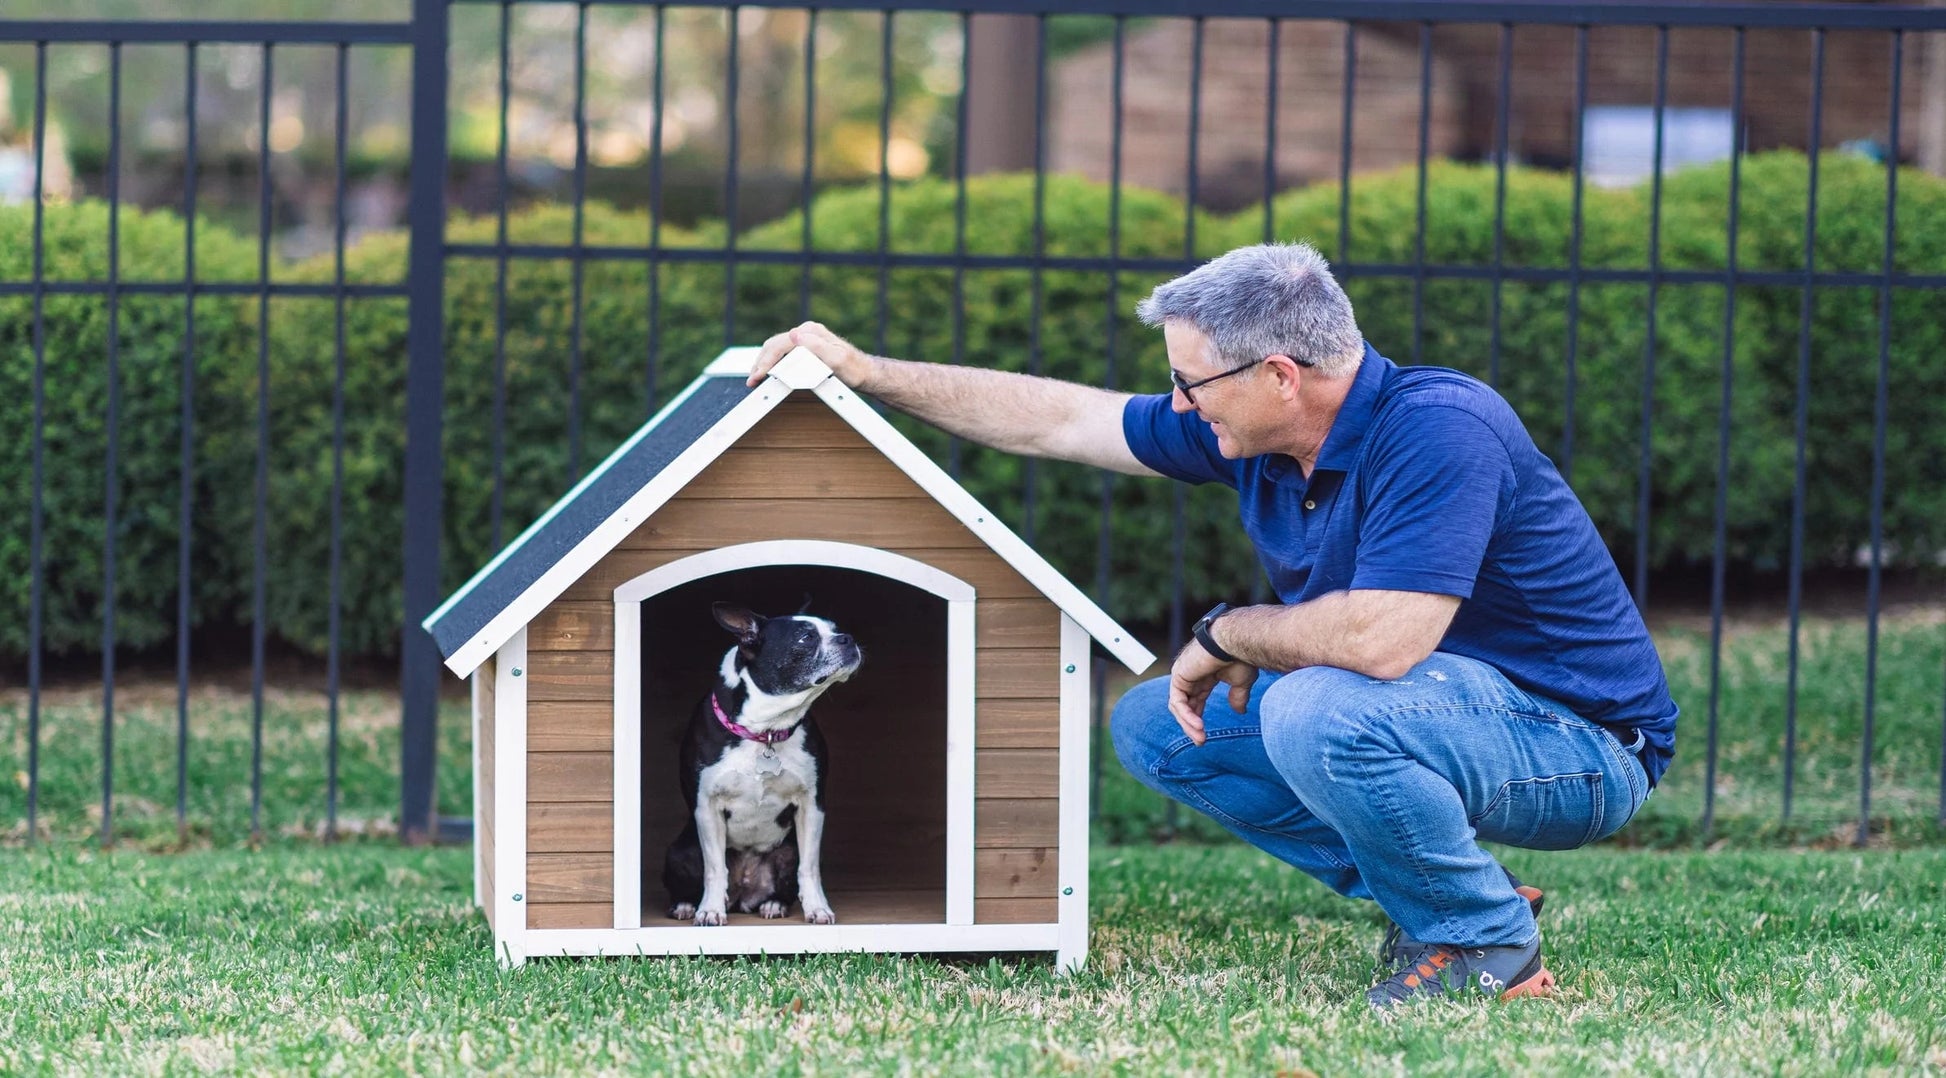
{"x": 1270, "y": 299}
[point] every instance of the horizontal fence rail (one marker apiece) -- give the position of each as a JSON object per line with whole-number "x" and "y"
{"x": 855, "y": 62}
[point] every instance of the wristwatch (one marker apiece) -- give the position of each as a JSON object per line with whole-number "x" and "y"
{"x": 1201, "y": 631}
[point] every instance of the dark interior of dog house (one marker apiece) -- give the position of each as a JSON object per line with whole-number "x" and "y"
{"x": 884, "y": 851}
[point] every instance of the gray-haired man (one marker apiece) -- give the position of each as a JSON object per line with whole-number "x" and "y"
{"x": 1454, "y": 656}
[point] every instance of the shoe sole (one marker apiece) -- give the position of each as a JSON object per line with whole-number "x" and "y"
{"x": 1540, "y": 986}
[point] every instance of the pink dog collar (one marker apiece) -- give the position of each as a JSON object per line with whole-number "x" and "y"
{"x": 769, "y": 737}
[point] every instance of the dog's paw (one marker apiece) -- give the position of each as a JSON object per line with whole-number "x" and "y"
{"x": 820, "y": 915}
{"x": 772, "y": 909}
{"x": 682, "y": 911}
{"x": 711, "y": 917}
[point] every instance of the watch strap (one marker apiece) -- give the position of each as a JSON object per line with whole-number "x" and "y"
{"x": 1208, "y": 639}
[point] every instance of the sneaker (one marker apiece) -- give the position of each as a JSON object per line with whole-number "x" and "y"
{"x": 1392, "y": 950}
{"x": 1441, "y": 970}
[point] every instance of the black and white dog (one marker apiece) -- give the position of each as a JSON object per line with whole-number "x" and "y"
{"x": 752, "y": 772}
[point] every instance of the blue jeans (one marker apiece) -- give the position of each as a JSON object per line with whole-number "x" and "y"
{"x": 1382, "y": 789}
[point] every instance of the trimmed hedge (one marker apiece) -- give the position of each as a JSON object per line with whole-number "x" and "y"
{"x": 613, "y": 394}
{"x": 75, "y": 384}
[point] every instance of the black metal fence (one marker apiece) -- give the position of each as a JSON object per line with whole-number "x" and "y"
{"x": 1405, "y": 39}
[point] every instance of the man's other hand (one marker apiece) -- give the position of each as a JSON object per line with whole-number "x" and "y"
{"x": 1192, "y": 679}
{"x": 845, "y": 361}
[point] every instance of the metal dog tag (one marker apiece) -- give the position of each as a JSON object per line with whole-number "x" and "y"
{"x": 768, "y": 763}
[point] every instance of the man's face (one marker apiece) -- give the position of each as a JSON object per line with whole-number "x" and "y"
{"x": 1231, "y": 406}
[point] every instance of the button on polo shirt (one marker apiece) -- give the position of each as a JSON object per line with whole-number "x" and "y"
{"x": 1428, "y": 482}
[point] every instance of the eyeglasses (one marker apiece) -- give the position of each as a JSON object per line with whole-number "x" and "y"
{"x": 1177, "y": 379}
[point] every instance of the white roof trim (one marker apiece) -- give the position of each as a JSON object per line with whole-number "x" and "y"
{"x": 800, "y": 368}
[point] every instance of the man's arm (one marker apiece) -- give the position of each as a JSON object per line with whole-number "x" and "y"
{"x": 1018, "y": 413}
{"x": 1380, "y": 634}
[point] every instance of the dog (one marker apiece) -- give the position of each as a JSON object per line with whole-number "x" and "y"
{"x": 752, "y": 771}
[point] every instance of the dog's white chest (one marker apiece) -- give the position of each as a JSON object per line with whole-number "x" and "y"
{"x": 752, "y": 784}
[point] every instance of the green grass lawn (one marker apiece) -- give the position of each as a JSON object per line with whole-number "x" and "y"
{"x": 367, "y": 958}
{"x": 1763, "y": 953}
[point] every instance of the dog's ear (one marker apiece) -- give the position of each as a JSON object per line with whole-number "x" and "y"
{"x": 737, "y": 620}
{"x": 807, "y": 603}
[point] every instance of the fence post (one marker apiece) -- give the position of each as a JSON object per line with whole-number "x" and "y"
{"x": 424, "y": 401}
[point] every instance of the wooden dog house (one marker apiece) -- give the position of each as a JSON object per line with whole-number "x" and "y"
{"x": 957, "y": 802}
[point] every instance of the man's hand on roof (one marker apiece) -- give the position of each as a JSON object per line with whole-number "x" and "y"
{"x": 847, "y": 362}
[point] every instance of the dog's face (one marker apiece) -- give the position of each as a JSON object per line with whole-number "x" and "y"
{"x": 786, "y": 656}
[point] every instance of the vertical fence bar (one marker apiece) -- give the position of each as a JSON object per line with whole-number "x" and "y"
{"x": 1178, "y": 548}
{"x": 1719, "y": 548}
{"x": 578, "y": 265}
{"x": 1645, "y": 473}
{"x": 259, "y": 521}
{"x": 496, "y": 512}
{"x": 953, "y": 449}
{"x": 332, "y": 661}
{"x": 1195, "y": 131}
{"x": 1344, "y": 153}
{"x": 424, "y": 394}
{"x": 1259, "y": 584}
{"x": 1419, "y": 218}
{"x": 1574, "y": 244}
{"x": 1104, "y": 539}
{"x": 111, "y": 485}
{"x": 1881, "y": 407}
{"x": 732, "y": 77}
{"x": 186, "y": 468}
{"x": 1803, "y": 414}
{"x": 884, "y": 180}
{"x": 806, "y": 189}
{"x": 655, "y": 207}
{"x": 1178, "y": 582}
{"x": 1270, "y": 133}
{"x": 1501, "y": 120}
{"x": 1031, "y": 468}
{"x": 37, "y": 571}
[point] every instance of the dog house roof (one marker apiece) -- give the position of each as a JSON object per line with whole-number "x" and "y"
{"x": 666, "y": 453}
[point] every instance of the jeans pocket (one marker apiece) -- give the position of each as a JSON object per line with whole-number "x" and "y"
{"x": 1556, "y": 813}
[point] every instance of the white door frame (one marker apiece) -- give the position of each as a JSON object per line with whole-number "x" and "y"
{"x": 959, "y": 596}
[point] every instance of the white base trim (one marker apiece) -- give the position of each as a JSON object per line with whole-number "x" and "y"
{"x": 790, "y": 939}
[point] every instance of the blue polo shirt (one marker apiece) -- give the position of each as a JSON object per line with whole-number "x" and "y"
{"x": 1429, "y": 482}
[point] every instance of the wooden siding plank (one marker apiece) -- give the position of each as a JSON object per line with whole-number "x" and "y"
{"x": 569, "y": 675}
{"x": 1012, "y": 823}
{"x": 572, "y": 626}
{"x": 1016, "y": 672}
{"x": 881, "y": 522}
{"x": 1019, "y": 873}
{"x": 1017, "y": 772}
{"x": 573, "y": 827}
{"x": 1026, "y": 723}
{"x": 1015, "y": 911}
{"x": 1019, "y": 623}
{"x": 571, "y": 877}
{"x": 570, "y": 915}
{"x": 802, "y": 473}
{"x": 986, "y": 571}
{"x": 802, "y": 425}
{"x": 571, "y": 726}
{"x": 570, "y": 776}
{"x": 620, "y": 566}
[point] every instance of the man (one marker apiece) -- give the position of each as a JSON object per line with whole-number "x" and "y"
{"x": 1459, "y": 659}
